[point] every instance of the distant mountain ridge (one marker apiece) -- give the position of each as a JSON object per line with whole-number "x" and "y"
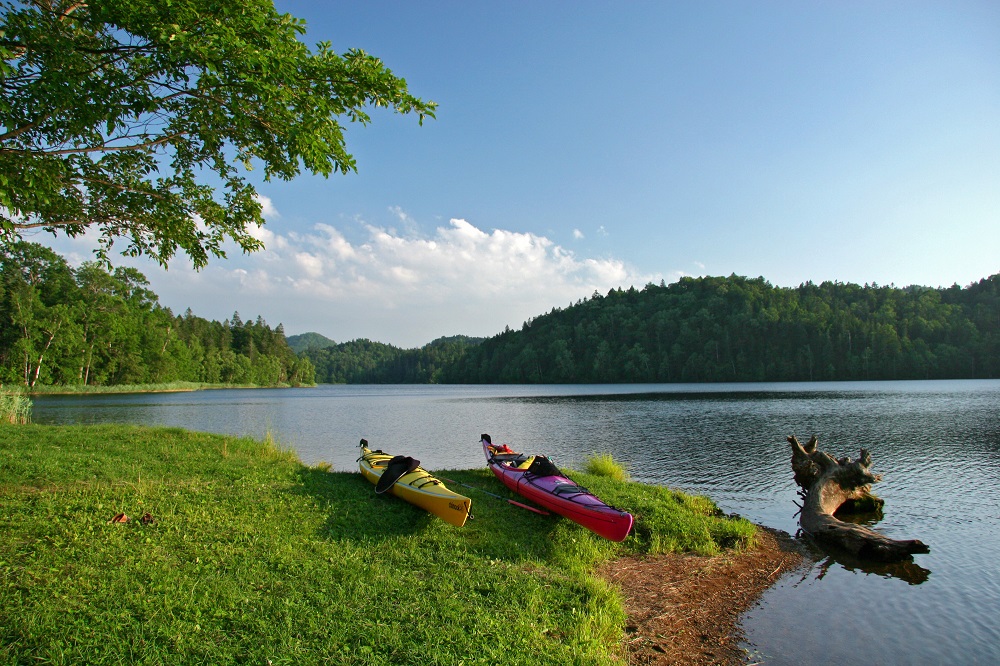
{"x": 363, "y": 361}
{"x": 302, "y": 342}
{"x": 305, "y": 341}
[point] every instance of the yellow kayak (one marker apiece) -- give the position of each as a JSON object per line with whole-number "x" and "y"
{"x": 415, "y": 485}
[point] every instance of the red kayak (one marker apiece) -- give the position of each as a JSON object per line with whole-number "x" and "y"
{"x": 536, "y": 478}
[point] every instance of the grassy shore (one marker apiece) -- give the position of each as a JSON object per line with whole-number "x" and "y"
{"x": 15, "y": 407}
{"x": 169, "y": 387}
{"x": 253, "y": 558}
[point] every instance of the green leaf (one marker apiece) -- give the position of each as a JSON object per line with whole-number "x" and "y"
{"x": 99, "y": 101}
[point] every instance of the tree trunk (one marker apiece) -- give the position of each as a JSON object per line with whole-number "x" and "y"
{"x": 829, "y": 484}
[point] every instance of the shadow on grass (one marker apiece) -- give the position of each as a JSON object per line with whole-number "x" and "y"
{"x": 354, "y": 512}
{"x": 496, "y": 529}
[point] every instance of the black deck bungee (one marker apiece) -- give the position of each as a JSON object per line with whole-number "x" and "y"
{"x": 395, "y": 468}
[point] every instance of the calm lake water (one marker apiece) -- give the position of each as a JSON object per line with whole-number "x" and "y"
{"x": 937, "y": 444}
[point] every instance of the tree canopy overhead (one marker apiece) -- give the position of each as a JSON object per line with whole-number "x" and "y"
{"x": 141, "y": 118}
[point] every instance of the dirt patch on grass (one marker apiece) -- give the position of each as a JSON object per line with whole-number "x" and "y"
{"x": 685, "y": 609}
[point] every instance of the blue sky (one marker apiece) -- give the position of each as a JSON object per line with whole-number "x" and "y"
{"x": 582, "y": 146}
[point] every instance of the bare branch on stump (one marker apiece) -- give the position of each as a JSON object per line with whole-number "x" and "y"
{"x": 828, "y": 484}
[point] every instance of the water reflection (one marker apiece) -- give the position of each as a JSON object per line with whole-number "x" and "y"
{"x": 826, "y": 557}
{"x": 865, "y": 519}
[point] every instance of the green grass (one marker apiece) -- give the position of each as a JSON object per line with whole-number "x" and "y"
{"x": 72, "y": 389}
{"x": 254, "y": 558}
{"x": 602, "y": 464}
{"x": 15, "y": 407}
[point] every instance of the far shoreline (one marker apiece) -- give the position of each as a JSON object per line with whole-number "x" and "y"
{"x": 174, "y": 387}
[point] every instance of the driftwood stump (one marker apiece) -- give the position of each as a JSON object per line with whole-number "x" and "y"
{"x": 828, "y": 485}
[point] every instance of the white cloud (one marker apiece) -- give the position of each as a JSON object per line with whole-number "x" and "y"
{"x": 311, "y": 265}
{"x": 409, "y": 225}
{"x": 577, "y": 234}
{"x": 271, "y": 240}
{"x": 403, "y": 290}
{"x": 267, "y": 207}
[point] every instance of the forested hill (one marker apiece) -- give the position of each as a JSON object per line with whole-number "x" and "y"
{"x": 303, "y": 341}
{"x": 717, "y": 329}
{"x": 62, "y": 326}
{"x": 367, "y": 362}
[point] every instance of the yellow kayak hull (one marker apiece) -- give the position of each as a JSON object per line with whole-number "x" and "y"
{"x": 419, "y": 488}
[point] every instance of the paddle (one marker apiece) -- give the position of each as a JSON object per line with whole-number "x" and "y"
{"x": 509, "y": 501}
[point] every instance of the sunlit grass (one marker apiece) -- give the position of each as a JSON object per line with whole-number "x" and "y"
{"x": 603, "y": 464}
{"x": 15, "y": 407}
{"x": 249, "y": 556}
{"x": 127, "y": 388}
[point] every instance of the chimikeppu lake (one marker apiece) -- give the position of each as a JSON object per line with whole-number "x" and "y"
{"x": 936, "y": 443}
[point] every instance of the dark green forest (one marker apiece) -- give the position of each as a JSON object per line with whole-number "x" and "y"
{"x": 711, "y": 329}
{"x": 304, "y": 341}
{"x": 718, "y": 329}
{"x": 64, "y": 326}
{"x": 86, "y": 326}
{"x": 367, "y": 362}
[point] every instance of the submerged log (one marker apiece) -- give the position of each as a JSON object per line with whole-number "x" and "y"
{"x": 828, "y": 485}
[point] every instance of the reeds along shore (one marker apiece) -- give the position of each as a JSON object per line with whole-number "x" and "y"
{"x": 15, "y": 407}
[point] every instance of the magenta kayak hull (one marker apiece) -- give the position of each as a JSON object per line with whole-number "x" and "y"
{"x": 561, "y": 495}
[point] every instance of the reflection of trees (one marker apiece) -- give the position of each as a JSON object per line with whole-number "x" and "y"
{"x": 910, "y": 571}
